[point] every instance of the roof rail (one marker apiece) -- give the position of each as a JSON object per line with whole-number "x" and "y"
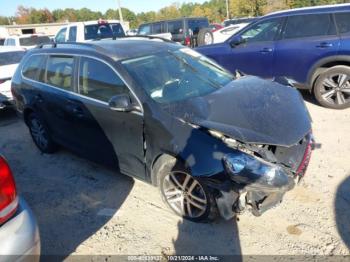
{"x": 148, "y": 37}
{"x": 56, "y": 45}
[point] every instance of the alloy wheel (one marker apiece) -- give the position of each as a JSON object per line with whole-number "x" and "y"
{"x": 336, "y": 89}
{"x": 38, "y": 132}
{"x": 185, "y": 194}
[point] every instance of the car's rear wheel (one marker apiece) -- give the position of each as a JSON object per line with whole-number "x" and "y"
{"x": 185, "y": 195}
{"x": 40, "y": 134}
{"x": 205, "y": 37}
{"x": 332, "y": 87}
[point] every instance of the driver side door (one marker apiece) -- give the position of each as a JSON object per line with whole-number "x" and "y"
{"x": 254, "y": 54}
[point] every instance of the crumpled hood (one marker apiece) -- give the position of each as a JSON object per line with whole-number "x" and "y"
{"x": 251, "y": 110}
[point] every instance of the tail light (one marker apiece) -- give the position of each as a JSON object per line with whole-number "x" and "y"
{"x": 8, "y": 195}
{"x": 306, "y": 159}
{"x": 188, "y": 41}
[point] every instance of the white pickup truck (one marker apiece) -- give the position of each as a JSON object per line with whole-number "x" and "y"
{"x": 90, "y": 30}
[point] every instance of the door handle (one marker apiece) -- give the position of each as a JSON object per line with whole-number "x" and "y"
{"x": 266, "y": 50}
{"x": 324, "y": 45}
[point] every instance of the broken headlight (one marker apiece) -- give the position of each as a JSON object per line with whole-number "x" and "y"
{"x": 255, "y": 173}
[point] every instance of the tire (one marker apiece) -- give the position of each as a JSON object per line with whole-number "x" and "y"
{"x": 205, "y": 37}
{"x": 185, "y": 195}
{"x": 332, "y": 87}
{"x": 40, "y": 134}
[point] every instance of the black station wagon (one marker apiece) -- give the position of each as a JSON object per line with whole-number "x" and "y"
{"x": 167, "y": 115}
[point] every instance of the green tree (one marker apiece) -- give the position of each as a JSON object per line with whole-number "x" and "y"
{"x": 4, "y": 20}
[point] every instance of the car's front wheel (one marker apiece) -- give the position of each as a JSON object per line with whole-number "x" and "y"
{"x": 332, "y": 87}
{"x": 40, "y": 134}
{"x": 185, "y": 195}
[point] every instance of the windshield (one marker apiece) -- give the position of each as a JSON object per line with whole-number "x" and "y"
{"x": 34, "y": 40}
{"x": 10, "y": 58}
{"x": 177, "y": 75}
{"x": 101, "y": 31}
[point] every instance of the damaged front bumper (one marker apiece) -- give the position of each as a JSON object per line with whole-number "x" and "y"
{"x": 257, "y": 184}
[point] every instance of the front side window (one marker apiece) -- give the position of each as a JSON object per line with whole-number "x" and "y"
{"x": 97, "y": 80}
{"x": 72, "y": 34}
{"x": 10, "y": 58}
{"x": 263, "y": 31}
{"x": 61, "y": 36}
{"x": 171, "y": 76}
{"x": 343, "y": 22}
{"x": 308, "y": 25}
{"x": 144, "y": 30}
{"x": 34, "y": 67}
{"x": 175, "y": 27}
{"x": 59, "y": 72}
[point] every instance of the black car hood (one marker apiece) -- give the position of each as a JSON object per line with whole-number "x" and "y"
{"x": 251, "y": 110}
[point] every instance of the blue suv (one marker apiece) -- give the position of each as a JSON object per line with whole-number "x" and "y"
{"x": 309, "y": 45}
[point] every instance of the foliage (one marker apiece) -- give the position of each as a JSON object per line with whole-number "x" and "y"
{"x": 215, "y": 10}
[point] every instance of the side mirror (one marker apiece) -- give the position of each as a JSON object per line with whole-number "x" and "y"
{"x": 122, "y": 103}
{"x": 236, "y": 41}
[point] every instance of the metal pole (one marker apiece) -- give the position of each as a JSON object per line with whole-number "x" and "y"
{"x": 227, "y": 12}
{"x": 120, "y": 12}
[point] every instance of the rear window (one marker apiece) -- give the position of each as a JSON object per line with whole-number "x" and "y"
{"x": 197, "y": 25}
{"x": 34, "y": 40}
{"x": 33, "y": 67}
{"x": 343, "y": 22}
{"x": 10, "y": 58}
{"x": 101, "y": 31}
{"x": 309, "y": 25}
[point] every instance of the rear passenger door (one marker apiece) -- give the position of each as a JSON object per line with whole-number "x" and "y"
{"x": 107, "y": 136}
{"x": 304, "y": 41}
{"x": 57, "y": 91}
{"x": 343, "y": 23}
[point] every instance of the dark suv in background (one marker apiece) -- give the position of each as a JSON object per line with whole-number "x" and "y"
{"x": 190, "y": 31}
{"x": 311, "y": 46}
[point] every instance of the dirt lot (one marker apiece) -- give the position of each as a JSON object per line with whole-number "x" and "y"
{"x": 83, "y": 208}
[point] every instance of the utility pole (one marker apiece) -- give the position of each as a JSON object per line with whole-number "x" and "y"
{"x": 227, "y": 12}
{"x": 120, "y": 12}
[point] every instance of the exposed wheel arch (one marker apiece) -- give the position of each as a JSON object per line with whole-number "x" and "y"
{"x": 26, "y": 114}
{"x": 157, "y": 164}
{"x": 322, "y": 65}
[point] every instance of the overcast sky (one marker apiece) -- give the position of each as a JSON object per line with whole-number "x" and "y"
{"x": 8, "y": 7}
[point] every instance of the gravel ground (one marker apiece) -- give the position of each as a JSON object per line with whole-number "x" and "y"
{"x": 83, "y": 208}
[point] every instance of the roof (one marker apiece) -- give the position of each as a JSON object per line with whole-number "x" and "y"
{"x": 119, "y": 49}
{"x": 4, "y": 49}
{"x": 311, "y": 10}
{"x": 93, "y": 22}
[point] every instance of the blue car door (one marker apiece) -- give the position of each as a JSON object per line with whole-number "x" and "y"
{"x": 304, "y": 41}
{"x": 254, "y": 52}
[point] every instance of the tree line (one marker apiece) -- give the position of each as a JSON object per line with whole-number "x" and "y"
{"x": 215, "y": 10}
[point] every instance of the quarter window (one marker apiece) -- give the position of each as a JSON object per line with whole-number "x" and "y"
{"x": 343, "y": 22}
{"x": 97, "y": 80}
{"x": 264, "y": 31}
{"x": 34, "y": 67}
{"x": 309, "y": 25}
{"x": 59, "y": 72}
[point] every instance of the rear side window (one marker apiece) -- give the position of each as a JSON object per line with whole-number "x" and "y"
{"x": 144, "y": 30}
{"x": 309, "y": 25}
{"x": 34, "y": 67}
{"x": 10, "y": 58}
{"x": 197, "y": 25}
{"x": 59, "y": 72}
{"x": 175, "y": 27}
{"x": 157, "y": 28}
{"x": 343, "y": 22}
{"x": 97, "y": 80}
{"x": 72, "y": 34}
{"x": 34, "y": 40}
